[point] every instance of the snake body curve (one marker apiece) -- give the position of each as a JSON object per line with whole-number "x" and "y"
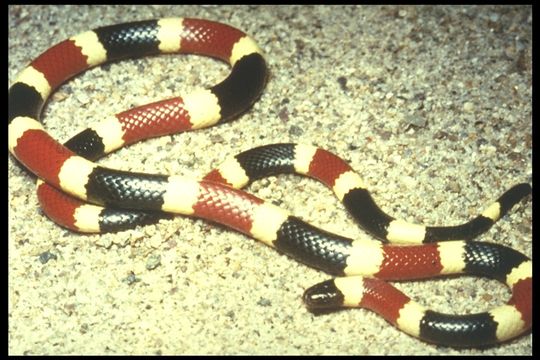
{"x": 61, "y": 167}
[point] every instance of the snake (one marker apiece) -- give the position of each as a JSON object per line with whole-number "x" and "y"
{"x": 83, "y": 196}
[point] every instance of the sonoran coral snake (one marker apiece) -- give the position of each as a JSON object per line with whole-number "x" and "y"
{"x": 124, "y": 199}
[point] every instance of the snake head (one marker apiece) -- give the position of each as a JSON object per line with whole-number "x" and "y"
{"x": 323, "y": 296}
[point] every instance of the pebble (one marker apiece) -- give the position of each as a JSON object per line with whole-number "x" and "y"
{"x": 468, "y": 107}
{"x": 454, "y": 186}
{"x": 284, "y": 114}
{"x": 153, "y": 261}
{"x": 264, "y": 302}
{"x": 494, "y": 17}
{"x": 295, "y": 130}
{"x": 416, "y": 120}
{"x": 342, "y": 81}
{"x": 82, "y": 98}
{"x": 46, "y": 256}
{"x": 131, "y": 279}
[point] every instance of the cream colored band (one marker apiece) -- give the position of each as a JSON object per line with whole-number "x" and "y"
{"x": 18, "y": 127}
{"x": 410, "y": 317}
{"x": 243, "y": 47}
{"x": 352, "y": 288}
{"x": 111, "y": 132}
{"x": 37, "y": 80}
{"x": 180, "y": 195}
{"x": 267, "y": 219}
{"x": 203, "y": 108}
{"x": 523, "y": 271}
{"x": 365, "y": 258}
{"x": 169, "y": 34}
{"x": 74, "y": 174}
{"x": 87, "y": 218}
{"x": 91, "y": 47}
{"x": 452, "y": 257}
{"x": 493, "y": 212}
{"x": 346, "y": 182}
{"x": 235, "y": 175}
{"x": 402, "y": 232}
{"x": 509, "y": 322}
{"x": 303, "y": 155}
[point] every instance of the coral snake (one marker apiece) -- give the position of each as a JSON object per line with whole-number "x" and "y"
{"x": 83, "y": 196}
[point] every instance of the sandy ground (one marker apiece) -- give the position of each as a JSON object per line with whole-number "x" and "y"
{"x": 432, "y": 105}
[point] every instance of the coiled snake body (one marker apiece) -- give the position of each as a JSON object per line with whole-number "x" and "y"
{"x": 121, "y": 199}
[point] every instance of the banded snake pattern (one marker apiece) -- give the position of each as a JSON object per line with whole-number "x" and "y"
{"x": 134, "y": 198}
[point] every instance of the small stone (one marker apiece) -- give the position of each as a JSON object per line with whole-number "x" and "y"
{"x": 153, "y": 262}
{"x": 342, "y": 80}
{"x": 60, "y": 96}
{"x": 264, "y": 302}
{"x": 454, "y": 187}
{"x": 230, "y": 314}
{"x": 510, "y": 51}
{"x": 131, "y": 279}
{"x": 416, "y": 121}
{"x": 295, "y": 130}
{"x": 155, "y": 241}
{"x": 494, "y": 17}
{"x": 283, "y": 114}
{"x": 365, "y": 116}
{"x": 46, "y": 256}
{"x": 83, "y": 99}
{"x": 385, "y": 135}
{"x": 468, "y": 106}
